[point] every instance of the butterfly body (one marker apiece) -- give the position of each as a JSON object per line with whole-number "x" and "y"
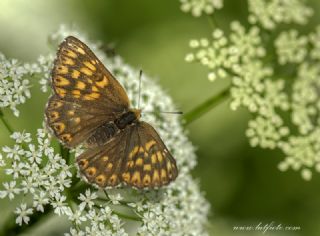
{"x": 106, "y": 131}
{"x": 90, "y": 107}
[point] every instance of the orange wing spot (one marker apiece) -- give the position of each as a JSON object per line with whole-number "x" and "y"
{"x": 91, "y": 171}
{"x": 136, "y": 178}
{"x": 146, "y": 180}
{"x": 61, "y": 81}
{"x": 109, "y": 166}
{"x": 139, "y": 162}
{"x": 93, "y": 62}
{"x": 55, "y": 104}
{"x": 105, "y": 158}
{"x": 147, "y": 167}
{"x": 133, "y": 152}
{"x": 160, "y": 157}
{"x": 103, "y": 83}
{"x": 90, "y": 66}
{"x": 81, "y": 51}
{"x": 126, "y": 176}
{"x": 113, "y": 179}
{"x": 75, "y": 74}
{"x": 100, "y": 179}
{"x": 156, "y": 177}
{"x": 83, "y": 163}
{"x": 153, "y": 158}
{"x": 80, "y": 85}
{"x": 71, "y": 54}
{"x": 66, "y": 137}
{"x": 68, "y": 61}
{"x": 71, "y": 112}
{"x": 61, "y": 92}
{"x": 62, "y": 69}
{"x": 86, "y": 71}
{"x": 94, "y": 88}
{"x": 59, "y": 127}
{"x": 130, "y": 164}
{"x": 91, "y": 96}
{"x": 150, "y": 144}
{"x": 141, "y": 149}
{"x": 164, "y": 175}
{"x": 53, "y": 115}
{"x": 76, "y": 93}
{"x": 76, "y": 120}
{"x": 169, "y": 166}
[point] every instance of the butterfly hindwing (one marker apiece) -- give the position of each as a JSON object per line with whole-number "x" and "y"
{"x": 102, "y": 165}
{"x": 149, "y": 163}
{"x": 135, "y": 156}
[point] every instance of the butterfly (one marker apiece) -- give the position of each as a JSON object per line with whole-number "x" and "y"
{"x": 90, "y": 107}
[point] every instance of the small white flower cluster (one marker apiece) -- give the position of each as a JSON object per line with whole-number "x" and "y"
{"x": 290, "y": 47}
{"x": 14, "y": 88}
{"x": 280, "y": 89}
{"x": 269, "y": 13}
{"x": 223, "y": 56}
{"x": 45, "y": 177}
{"x": 15, "y": 80}
{"x": 36, "y": 172}
{"x": 197, "y": 7}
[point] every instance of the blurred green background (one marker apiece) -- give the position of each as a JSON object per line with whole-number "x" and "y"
{"x": 242, "y": 184}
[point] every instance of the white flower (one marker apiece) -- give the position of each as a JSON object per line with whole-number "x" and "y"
{"x": 2, "y": 163}
{"x": 74, "y": 232}
{"x": 23, "y": 214}
{"x": 39, "y": 200}
{"x": 10, "y": 190}
{"x": 115, "y": 198}
{"x": 87, "y": 199}
{"x": 21, "y": 137}
{"x": 60, "y": 206}
{"x": 77, "y": 217}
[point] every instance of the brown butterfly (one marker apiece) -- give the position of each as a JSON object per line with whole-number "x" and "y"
{"x": 90, "y": 107}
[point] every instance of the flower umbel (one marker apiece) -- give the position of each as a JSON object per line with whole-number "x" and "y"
{"x": 46, "y": 182}
{"x": 274, "y": 74}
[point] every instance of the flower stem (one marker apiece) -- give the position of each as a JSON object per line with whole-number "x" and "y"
{"x": 4, "y": 121}
{"x": 206, "y": 106}
{"x": 10, "y": 228}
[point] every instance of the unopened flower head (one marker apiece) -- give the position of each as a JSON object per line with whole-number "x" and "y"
{"x": 198, "y": 7}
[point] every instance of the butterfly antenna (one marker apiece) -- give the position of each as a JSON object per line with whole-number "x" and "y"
{"x": 166, "y": 112}
{"x": 140, "y": 78}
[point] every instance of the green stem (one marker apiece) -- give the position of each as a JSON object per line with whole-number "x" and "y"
{"x": 206, "y": 106}
{"x": 6, "y": 124}
{"x": 128, "y": 217}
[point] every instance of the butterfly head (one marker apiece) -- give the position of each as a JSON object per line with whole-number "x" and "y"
{"x": 137, "y": 113}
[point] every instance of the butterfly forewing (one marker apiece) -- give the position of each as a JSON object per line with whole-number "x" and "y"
{"x": 86, "y": 94}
